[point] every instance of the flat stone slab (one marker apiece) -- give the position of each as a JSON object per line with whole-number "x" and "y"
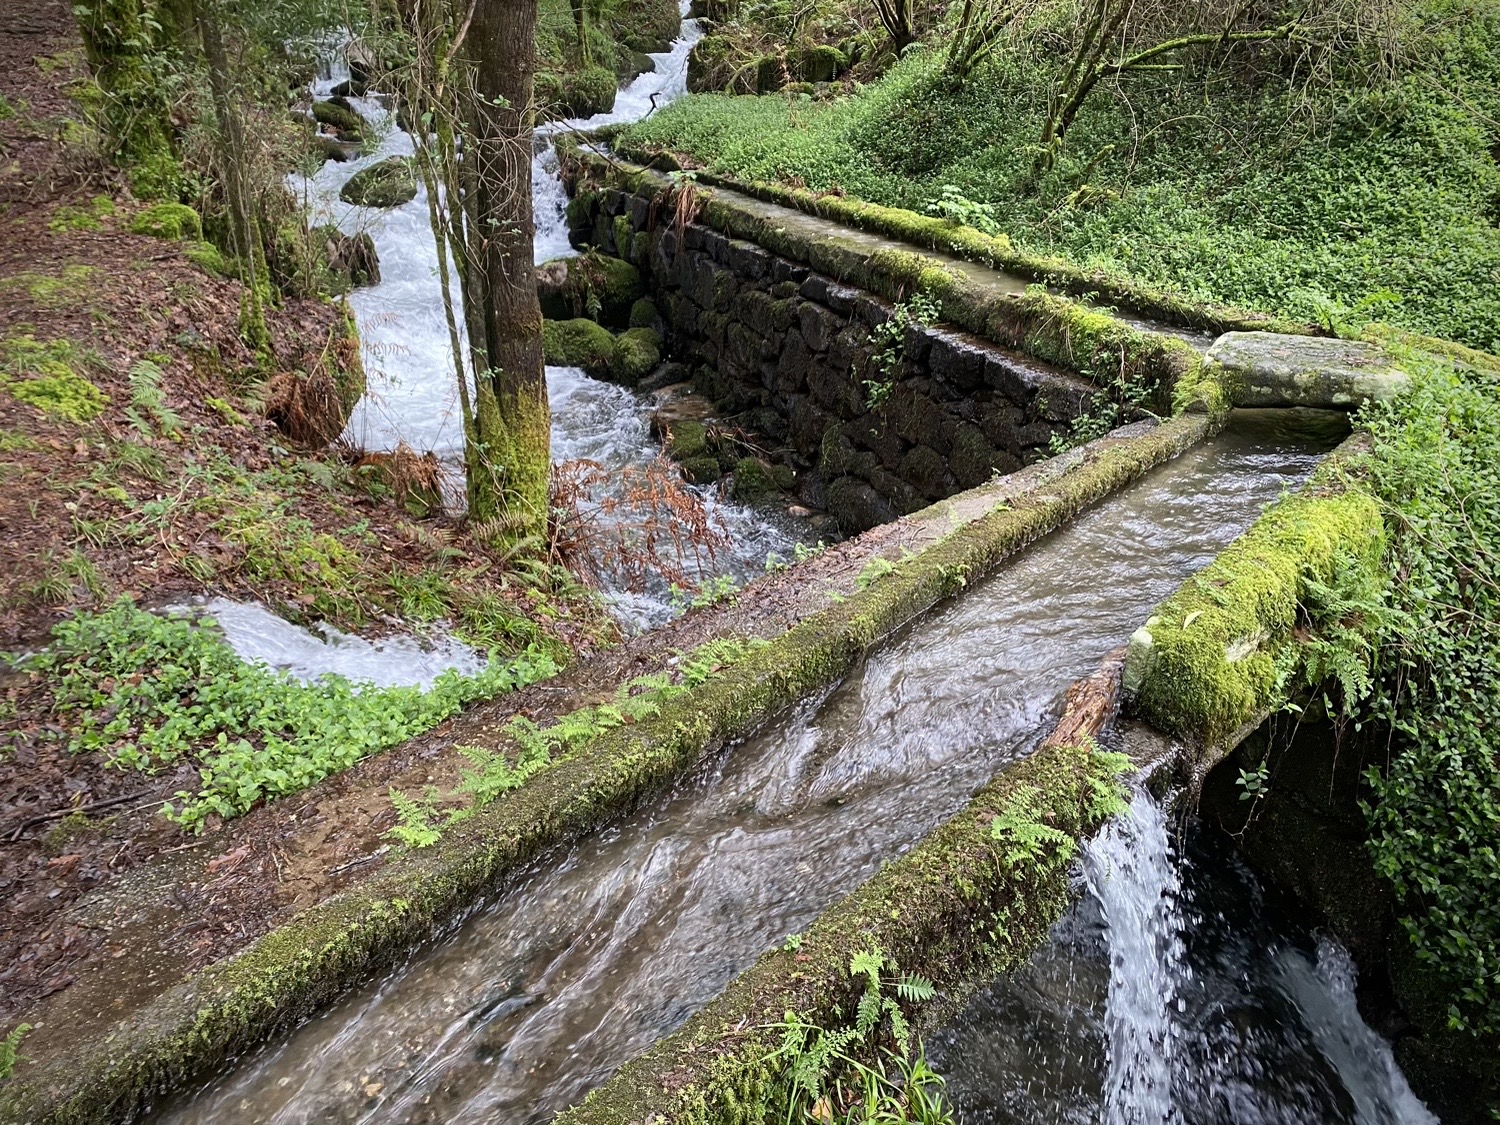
{"x": 1271, "y": 369}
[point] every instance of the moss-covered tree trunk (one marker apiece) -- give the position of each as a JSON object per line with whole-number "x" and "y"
{"x": 503, "y": 314}
{"x": 233, "y": 153}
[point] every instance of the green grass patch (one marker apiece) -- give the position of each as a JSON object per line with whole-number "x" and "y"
{"x": 150, "y": 692}
{"x": 45, "y": 374}
{"x": 1343, "y": 204}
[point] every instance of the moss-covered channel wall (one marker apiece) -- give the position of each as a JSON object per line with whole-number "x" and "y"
{"x": 786, "y": 330}
{"x": 113, "y": 1070}
{"x": 1217, "y": 658}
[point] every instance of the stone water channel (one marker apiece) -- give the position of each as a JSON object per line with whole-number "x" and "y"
{"x": 542, "y": 993}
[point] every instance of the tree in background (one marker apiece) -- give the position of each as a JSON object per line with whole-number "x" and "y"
{"x": 468, "y": 73}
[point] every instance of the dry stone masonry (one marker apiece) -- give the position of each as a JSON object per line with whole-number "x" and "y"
{"x": 788, "y": 355}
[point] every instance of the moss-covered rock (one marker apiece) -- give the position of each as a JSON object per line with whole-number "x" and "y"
{"x": 388, "y": 183}
{"x": 647, "y": 25}
{"x": 818, "y": 63}
{"x": 344, "y": 121}
{"x": 206, "y": 256}
{"x": 593, "y": 285}
{"x": 590, "y": 91}
{"x": 686, "y": 440}
{"x": 755, "y": 479}
{"x": 701, "y": 470}
{"x": 167, "y": 220}
{"x": 578, "y": 343}
{"x": 644, "y": 314}
{"x": 637, "y": 352}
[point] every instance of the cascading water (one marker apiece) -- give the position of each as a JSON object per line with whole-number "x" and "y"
{"x": 1174, "y": 993}
{"x": 1129, "y": 869}
{"x": 596, "y": 953}
{"x": 412, "y": 395}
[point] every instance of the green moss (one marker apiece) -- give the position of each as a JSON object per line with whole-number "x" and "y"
{"x": 174, "y": 221}
{"x": 598, "y": 285}
{"x": 578, "y": 343}
{"x": 84, "y": 217}
{"x": 637, "y": 352}
{"x": 206, "y": 256}
{"x": 44, "y": 374}
{"x": 1212, "y": 659}
{"x": 590, "y": 91}
{"x": 687, "y": 439}
{"x": 754, "y": 480}
{"x": 56, "y": 291}
{"x": 346, "y": 121}
{"x": 644, "y": 314}
{"x": 387, "y": 183}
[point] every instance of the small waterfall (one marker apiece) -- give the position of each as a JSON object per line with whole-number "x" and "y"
{"x": 1130, "y": 868}
{"x": 1321, "y": 985}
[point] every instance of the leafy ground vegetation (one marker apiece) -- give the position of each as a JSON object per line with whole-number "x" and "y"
{"x": 1343, "y": 172}
{"x": 1424, "y": 641}
{"x": 167, "y": 410}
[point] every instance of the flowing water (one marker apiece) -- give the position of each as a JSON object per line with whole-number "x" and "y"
{"x": 598, "y": 952}
{"x": 412, "y": 395}
{"x": 1174, "y": 993}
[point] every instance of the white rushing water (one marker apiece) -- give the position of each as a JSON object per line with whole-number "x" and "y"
{"x": 259, "y": 636}
{"x": 1164, "y": 1061}
{"x": 412, "y": 396}
{"x": 1321, "y": 985}
{"x": 1130, "y": 869}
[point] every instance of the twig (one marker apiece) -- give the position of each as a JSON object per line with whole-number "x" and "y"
{"x": 58, "y": 814}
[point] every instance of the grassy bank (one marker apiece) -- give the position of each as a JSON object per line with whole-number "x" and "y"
{"x": 1375, "y": 194}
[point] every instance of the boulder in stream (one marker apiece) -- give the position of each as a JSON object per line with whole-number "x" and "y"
{"x": 594, "y": 285}
{"x": 339, "y": 118}
{"x": 578, "y": 343}
{"x": 389, "y": 183}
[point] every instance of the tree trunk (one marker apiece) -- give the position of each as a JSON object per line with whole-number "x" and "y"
{"x": 511, "y": 409}
{"x": 244, "y": 230}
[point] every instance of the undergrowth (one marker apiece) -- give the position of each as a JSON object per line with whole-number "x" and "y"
{"x": 493, "y": 772}
{"x": 867, "y": 1071}
{"x": 1342, "y": 203}
{"x": 150, "y": 692}
{"x": 1421, "y": 657}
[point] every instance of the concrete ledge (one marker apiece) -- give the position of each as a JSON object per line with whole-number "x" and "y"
{"x": 111, "y": 1072}
{"x": 1270, "y": 369}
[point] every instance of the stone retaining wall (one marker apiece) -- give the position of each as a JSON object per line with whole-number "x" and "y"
{"x": 787, "y": 354}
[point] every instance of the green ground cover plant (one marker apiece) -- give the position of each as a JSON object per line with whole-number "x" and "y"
{"x": 1373, "y": 194}
{"x": 1428, "y": 669}
{"x": 492, "y": 772}
{"x": 150, "y": 691}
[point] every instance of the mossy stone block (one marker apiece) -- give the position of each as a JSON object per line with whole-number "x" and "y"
{"x": 578, "y": 343}
{"x": 637, "y": 352}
